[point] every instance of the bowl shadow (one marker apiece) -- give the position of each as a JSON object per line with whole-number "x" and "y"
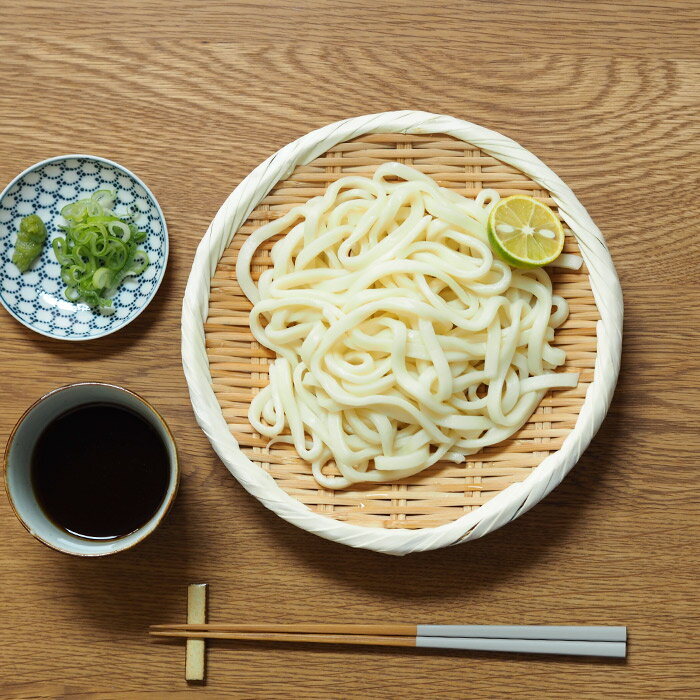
{"x": 127, "y": 591}
{"x": 114, "y": 344}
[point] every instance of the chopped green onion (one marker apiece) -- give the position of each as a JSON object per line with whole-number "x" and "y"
{"x": 101, "y": 278}
{"x": 120, "y": 230}
{"x": 139, "y": 262}
{"x": 105, "y": 198}
{"x": 72, "y": 294}
{"x": 99, "y": 249}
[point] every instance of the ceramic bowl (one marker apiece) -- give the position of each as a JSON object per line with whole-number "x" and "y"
{"x": 18, "y": 457}
{"x": 36, "y": 297}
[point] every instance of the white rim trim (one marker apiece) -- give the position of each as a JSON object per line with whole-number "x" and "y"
{"x": 509, "y": 503}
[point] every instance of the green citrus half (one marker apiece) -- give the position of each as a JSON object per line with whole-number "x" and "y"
{"x": 525, "y": 232}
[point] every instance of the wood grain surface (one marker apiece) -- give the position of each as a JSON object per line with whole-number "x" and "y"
{"x": 192, "y": 96}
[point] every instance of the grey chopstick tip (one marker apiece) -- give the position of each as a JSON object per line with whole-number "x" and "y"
{"x": 616, "y": 650}
{"x": 582, "y": 633}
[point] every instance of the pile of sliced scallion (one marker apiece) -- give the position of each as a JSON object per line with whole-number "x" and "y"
{"x": 99, "y": 249}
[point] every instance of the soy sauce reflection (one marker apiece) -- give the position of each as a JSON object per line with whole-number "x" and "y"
{"x": 100, "y": 471}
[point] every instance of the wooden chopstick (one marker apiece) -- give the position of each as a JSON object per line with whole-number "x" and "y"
{"x": 373, "y": 639}
{"x": 296, "y": 628}
{"x": 553, "y": 632}
{"x": 532, "y": 646}
{"x": 359, "y": 635}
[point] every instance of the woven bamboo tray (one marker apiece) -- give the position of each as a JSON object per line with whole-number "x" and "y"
{"x": 444, "y": 494}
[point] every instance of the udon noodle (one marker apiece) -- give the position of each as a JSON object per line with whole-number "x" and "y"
{"x": 400, "y": 338}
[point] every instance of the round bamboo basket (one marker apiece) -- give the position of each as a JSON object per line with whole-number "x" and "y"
{"x": 413, "y": 513}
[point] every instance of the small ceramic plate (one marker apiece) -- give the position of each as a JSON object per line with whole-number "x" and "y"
{"x": 36, "y": 298}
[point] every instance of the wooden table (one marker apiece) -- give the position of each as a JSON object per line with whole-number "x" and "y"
{"x": 191, "y": 97}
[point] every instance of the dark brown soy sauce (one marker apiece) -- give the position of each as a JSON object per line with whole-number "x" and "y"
{"x": 100, "y": 471}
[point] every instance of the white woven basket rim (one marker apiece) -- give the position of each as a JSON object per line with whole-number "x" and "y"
{"x": 512, "y": 501}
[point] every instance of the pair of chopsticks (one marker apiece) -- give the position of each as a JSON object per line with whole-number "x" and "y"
{"x": 602, "y": 641}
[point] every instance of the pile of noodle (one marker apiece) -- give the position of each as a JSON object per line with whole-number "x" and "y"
{"x": 400, "y": 338}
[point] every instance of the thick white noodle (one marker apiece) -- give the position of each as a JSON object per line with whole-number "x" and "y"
{"x": 400, "y": 339}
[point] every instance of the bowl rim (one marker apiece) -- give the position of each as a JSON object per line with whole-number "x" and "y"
{"x": 164, "y": 234}
{"x": 507, "y": 504}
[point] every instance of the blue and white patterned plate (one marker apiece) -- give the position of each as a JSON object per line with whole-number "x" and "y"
{"x": 36, "y": 297}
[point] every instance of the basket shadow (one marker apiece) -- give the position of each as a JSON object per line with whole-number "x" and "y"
{"x": 483, "y": 563}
